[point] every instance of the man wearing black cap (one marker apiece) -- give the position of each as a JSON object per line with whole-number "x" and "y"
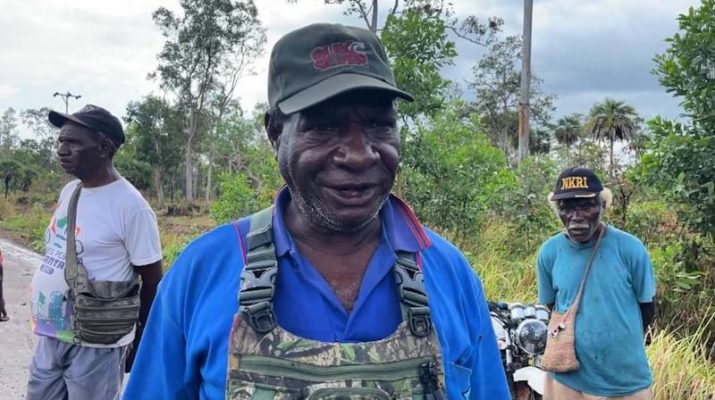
{"x": 115, "y": 238}
{"x": 337, "y": 291}
{"x": 617, "y": 301}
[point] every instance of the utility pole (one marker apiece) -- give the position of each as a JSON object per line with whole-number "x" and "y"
{"x": 523, "y": 150}
{"x": 65, "y": 98}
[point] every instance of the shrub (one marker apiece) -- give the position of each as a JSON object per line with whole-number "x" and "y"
{"x": 238, "y": 198}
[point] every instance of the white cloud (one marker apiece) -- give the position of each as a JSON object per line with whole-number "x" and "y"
{"x": 7, "y": 91}
{"x": 104, "y": 50}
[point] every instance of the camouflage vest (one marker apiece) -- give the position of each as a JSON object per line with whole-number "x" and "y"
{"x": 266, "y": 362}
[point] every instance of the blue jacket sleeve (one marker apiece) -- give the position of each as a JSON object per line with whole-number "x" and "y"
{"x": 160, "y": 365}
{"x": 488, "y": 380}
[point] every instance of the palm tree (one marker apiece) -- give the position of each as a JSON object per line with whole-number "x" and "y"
{"x": 568, "y": 131}
{"x": 613, "y": 120}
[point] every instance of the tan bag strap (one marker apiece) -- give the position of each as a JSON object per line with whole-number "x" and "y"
{"x": 72, "y": 268}
{"x": 577, "y": 301}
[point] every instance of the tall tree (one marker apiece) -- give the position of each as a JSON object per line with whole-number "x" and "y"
{"x": 496, "y": 82}
{"x": 679, "y": 157}
{"x": 568, "y": 129}
{"x": 200, "y": 43}
{"x": 417, "y": 44}
{"x": 44, "y": 133}
{"x": 152, "y": 130}
{"x": 569, "y": 132}
{"x": 8, "y": 131}
{"x": 613, "y": 121}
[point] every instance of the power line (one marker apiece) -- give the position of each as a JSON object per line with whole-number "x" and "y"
{"x": 65, "y": 97}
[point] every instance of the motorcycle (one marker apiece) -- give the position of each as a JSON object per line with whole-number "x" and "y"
{"x": 521, "y": 331}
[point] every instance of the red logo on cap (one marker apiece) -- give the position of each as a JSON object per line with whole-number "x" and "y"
{"x": 338, "y": 54}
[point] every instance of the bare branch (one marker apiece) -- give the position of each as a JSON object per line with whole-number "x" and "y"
{"x": 394, "y": 9}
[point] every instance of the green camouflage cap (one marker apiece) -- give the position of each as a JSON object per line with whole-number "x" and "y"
{"x": 320, "y": 61}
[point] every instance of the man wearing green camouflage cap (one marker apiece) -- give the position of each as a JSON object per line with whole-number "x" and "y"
{"x": 336, "y": 291}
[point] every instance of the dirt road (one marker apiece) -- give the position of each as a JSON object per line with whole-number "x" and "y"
{"x": 16, "y": 340}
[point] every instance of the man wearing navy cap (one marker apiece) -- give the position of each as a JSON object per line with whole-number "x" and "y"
{"x": 116, "y": 238}
{"x": 617, "y": 303}
{"x": 337, "y": 291}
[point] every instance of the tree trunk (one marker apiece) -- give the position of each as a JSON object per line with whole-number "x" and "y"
{"x": 189, "y": 173}
{"x": 191, "y": 132}
{"x": 157, "y": 173}
{"x": 208, "y": 178}
{"x": 523, "y": 134}
{"x": 158, "y": 186}
{"x": 373, "y": 28}
{"x": 610, "y": 167}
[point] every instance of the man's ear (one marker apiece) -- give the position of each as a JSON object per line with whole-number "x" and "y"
{"x": 106, "y": 149}
{"x": 274, "y": 127}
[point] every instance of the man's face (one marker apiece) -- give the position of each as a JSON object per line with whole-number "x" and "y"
{"x": 79, "y": 150}
{"x": 580, "y": 217}
{"x": 339, "y": 159}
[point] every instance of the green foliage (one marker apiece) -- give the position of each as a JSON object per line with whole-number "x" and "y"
{"x": 135, "y": 171}
{"x": 238, "y": 198}
{"x": 252, "y": 181}
{"x": 613, "y": 121}
{"x": 687, "y": 68}
{"x": 496, "y": 83}
{"x": 452, "y": 173}
{"x": 29, "y": 225}
{"x": 680, "y": 158}
{"x": 418, "y": 46}
{"x": 205, "y": 52}
{"x": 680, "y": 163}
{"x": 684, "y": 285}
{"x": 527, "y": 206}
{"x": 654, "y": 222}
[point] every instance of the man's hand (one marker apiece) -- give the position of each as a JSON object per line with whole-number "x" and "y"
{"x": 133, "y": 350}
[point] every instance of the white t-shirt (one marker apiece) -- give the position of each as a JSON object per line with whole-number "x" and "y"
{"x": 115, "y": 229}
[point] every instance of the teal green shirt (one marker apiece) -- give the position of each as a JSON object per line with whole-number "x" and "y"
{"x": 609, "y": 329}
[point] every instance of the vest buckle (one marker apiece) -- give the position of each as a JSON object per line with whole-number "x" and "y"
{"x": 420, "y": 321}
{"x": 260, "y": 317}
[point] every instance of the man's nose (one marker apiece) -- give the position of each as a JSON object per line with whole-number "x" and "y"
{"x": 356, "y": 150}
{"x": 62, "y": 150}
{"x": 578, "y": 214}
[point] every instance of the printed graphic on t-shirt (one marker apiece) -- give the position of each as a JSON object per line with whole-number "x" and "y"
{"x": 51, "y": 312}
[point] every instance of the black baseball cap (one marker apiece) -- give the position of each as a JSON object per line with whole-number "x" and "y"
{"x": 95, "y": 118}
{"x": 319, "y": 61}
{"x": 577, "y": 182}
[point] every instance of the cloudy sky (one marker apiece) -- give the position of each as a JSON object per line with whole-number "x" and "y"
{"x": 103, "y": 50}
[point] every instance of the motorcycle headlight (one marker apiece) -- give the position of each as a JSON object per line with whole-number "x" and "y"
{"x": 531, "y": 336}
{"x": 499, "y": 331}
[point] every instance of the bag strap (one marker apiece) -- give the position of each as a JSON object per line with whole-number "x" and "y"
{"x": 577, "y": 301}
{"x": 413, "y": 298}
{"x": 255, "y": 296}
{"x": 72, "y": 269}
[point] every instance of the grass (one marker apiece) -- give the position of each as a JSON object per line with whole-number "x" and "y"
{"x": 25, "y": 224}
{"x": 681, "y": 366}
{"x": 176, "y": 232}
